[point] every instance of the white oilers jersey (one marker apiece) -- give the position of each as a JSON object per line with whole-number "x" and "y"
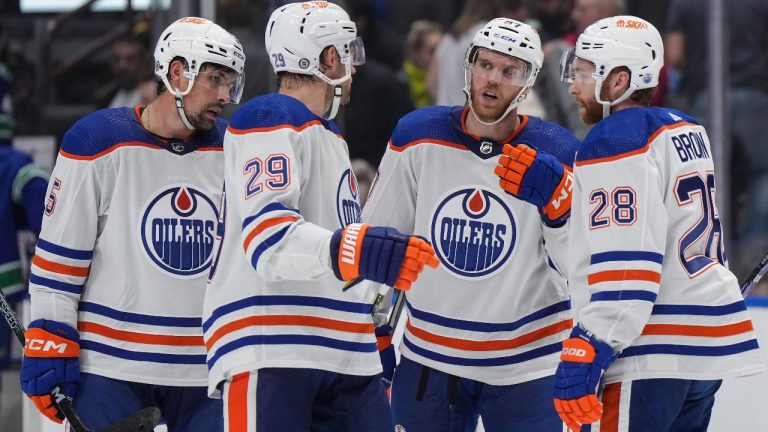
{"x": 126, "y": 245}
{"x": 273, "y": 300}
{"x": 496, "y": 310}
{"x": 648, "y": 271}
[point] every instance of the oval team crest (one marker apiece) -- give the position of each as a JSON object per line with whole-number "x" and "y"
{"x": 177, "y": 230}
{"x": 473, "y": 232}
{"x": 347, "y": 199}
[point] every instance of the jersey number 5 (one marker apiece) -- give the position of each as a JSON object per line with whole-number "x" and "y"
{"x": 702, "y": 244}
{"x": 278, "y": 168}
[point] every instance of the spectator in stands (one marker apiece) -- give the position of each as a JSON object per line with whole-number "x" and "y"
{"x": 560, "y": 106}
{"x": 686, "y": 47}
{"x": 554, "y": 19}
{"x": 420, "y": 46}
{"x": 378, "y": 100}
{"x": 447, "y": 71}
{"x": 130, "y": 67}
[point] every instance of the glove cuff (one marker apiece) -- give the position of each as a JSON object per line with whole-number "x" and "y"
{"x": 346, "y": 250}
{"x": 603, "y": 354}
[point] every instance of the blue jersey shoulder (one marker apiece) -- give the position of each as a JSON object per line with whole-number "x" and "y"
{"x": 273, "y": 111}
{"x": 434, "y": 122}
{"x": 627, "y": 130}
{"x": 101, "y": 130}
{"x": 549, "y": 138}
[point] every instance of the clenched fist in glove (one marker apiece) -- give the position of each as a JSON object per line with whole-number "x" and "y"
{"x": 582, "y": 363}
{"x": 537, "y": 178}
{"x": 379, "y": 254}
{"x": 51, "y": 363}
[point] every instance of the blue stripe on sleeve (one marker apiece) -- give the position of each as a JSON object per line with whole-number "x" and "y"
{"x": 139, "y": 318}
{"x": 623, "y": 295}
{"x": 487, "y": 327}
{"x": 690, "y": 350}
{"x": 626, "y": 256}
{"x": 699, "y": 309}
{"x": 274, "y": 206}
{"x": 493, "y": 361}
{"x": 286, "y": 300}
{"x": 64, "y": 251}
{"x": 142, "y": 356}
{"x": 290, "y": 339}
{"x": 266, "y": 244}
{"x": 54, "y": 284}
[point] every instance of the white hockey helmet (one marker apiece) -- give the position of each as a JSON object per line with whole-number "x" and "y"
{"x": 297, "y": 33}
{"x": 618, "y": 41}
{"x": 512, "y": 38}
{"x": 199, "y": 41}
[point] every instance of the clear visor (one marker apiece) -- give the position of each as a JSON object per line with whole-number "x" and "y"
{"x": 355, "y": 54}
{"x": 511, "y": 71}
{"x": 574, "y": 69}
{"x": 225, "y": 83}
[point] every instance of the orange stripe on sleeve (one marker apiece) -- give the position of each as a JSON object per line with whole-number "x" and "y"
{"x": 237, "y": 403}
{"x": 698, "y": 330}
{"x": 264, "y": 225}
{"x": 287, "y": 320}
{"x": 622, "y": 275}
{"x": 136, "y": 337}
{"x": 59, "y": 268}
{"x": 494, "y": 345}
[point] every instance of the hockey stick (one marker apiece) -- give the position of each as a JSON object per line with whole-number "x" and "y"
{"x": 144, "y": 420}
{"x": 755, "y": 276}
{"x": 397, "y": 308}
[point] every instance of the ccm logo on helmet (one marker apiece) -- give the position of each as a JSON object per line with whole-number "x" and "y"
{"x": 576, "y": 352}
{"x": 45, "y": 345}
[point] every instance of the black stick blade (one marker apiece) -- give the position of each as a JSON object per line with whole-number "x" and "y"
{"x": 142, "y": 421}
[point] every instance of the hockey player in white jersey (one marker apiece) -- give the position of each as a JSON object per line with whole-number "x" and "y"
{"x": 290, "y": 347}
{"x": 119, "y": 271}
{"x": 660, "y": 318}
{"x": 483, "y": 331}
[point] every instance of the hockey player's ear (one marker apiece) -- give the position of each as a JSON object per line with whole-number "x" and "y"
{"x": 176, "y": 70}
{"x": 616, "y": 83}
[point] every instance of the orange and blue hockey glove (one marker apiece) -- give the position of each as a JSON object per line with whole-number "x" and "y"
{"x": 582, "y": 363}
{"x": 379, "y": 254}
{"x": 51, "y": 363}
{"x": 537, "y": 178}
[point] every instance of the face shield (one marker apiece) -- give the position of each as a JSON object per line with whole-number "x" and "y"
{"x": 504, "y": 70}
{"x": 355, "y": 55}
{"x": 575, "y": 69}
{"x": 221, "y": 80}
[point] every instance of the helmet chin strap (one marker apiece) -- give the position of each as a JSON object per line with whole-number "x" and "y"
{"x": 178, "y": 95}
{"x": 335, "y": 103}
{"x": 608, "y": 104}
{"x": 512, "y": 105}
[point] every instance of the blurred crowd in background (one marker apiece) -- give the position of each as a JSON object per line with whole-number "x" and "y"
{"x": 57, "y": 67}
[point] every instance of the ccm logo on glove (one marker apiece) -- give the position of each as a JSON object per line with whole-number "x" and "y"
{"x": 40, "y": 343}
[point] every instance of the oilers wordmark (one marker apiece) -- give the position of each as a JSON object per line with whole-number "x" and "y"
{"x": 178, "y": 231}
{"x": 474, "y": 232}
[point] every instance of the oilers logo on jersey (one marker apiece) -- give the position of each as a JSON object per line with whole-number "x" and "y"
{"x": 473, "y": 232}
{"x": 347, "y": 200}
{"x": 177, "y": 231}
